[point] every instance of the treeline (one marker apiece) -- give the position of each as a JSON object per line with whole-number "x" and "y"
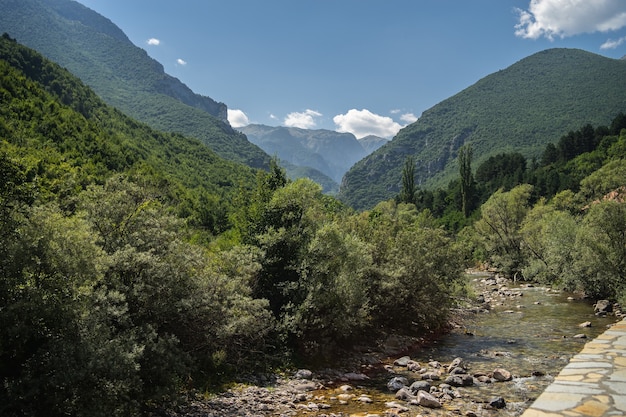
{"x": 561, "y": 166}
{"x": 559, "y": 220}
{"x": 135, "y": 265}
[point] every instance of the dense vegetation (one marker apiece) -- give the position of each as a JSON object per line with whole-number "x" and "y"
{"x": 519, "y": 109}
{"x": 101, "y": 55}
{"x": 560, "y": 220}
{"x": 135, "y": 264}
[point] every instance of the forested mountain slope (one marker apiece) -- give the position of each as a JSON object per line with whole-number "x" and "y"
{"x": 66, "y": 134}
{"x": 521, "y": 108}
{"x": 99, "y": 53}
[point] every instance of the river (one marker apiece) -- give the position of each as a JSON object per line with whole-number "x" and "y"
{"x": 527, "y": 330}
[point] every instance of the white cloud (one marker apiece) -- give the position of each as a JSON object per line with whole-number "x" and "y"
{"x": 562, "y": 18}
{"x": 181, "y": 61}
{"x": 303, "y": 120}
{"x": 153, "y": 41}
{"x": 613, "y": 43}
{"x": 237, "y": 118}
{"x": 408, "y": 118}
{"x": 363, "y": 122}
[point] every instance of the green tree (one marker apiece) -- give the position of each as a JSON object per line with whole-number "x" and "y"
{"x": 467, "y": 179}
{"x": 600, "y": 252}
{"x": 408, "y": 192}
{"x": 333, "y": 276}
{"x": 499, "y": 227}
{"x": 548, "y": 237}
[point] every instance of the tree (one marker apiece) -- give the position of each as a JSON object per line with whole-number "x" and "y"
{"x": 467, "y": 179}
{"x": 600, "y": 251}
{"x": 499, "y": 227}
{"x": 409, "y": 191}
{"x": 548, "y": 236}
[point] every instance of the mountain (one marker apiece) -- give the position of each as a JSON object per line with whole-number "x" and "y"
{"x": 98, "y": 52}
{"x": 66, "y": 137}
{"x": 521, "y": 108}
{"x": 329, "y": 152}
{"x": 371, "y": 143}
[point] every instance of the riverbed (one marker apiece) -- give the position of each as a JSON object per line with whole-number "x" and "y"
{"x": 530, "y": 331}
{"x": 527, "y": 330}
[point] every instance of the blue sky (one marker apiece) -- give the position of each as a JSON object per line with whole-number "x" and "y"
{"x": 364, "y": 66}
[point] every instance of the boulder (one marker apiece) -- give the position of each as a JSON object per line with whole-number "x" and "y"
{"x": 427, "y": 400}
{"x": 500, "y": 374}
{"x": 431, "y": 376}
{"x": 420, "y": 386}
{"x": 397, "y": 382}
{"x": 303, "y": 374}
{"x": 603, "y": 307}
{"x": 585, "y": 324}
{"x": 403, "y": 361}
{"x": 413, "y": 366}
{"x": 462, "y": 380}
{"x": 458, "y": 371}
{"x": 497, "y": 402}
{"x": 355, "y": 376}
{"x": 456, "y": 363}
{"x": 404, "y": 394}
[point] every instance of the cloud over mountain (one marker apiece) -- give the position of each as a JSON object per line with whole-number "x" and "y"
{"x": 563, "y": 18}
{"x": 237, "y": 118}
{"x": 362, "y": 123}
{"x": 303, "y": 120}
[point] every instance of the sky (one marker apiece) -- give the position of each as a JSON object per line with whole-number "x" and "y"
{"x": 359, "y": 66}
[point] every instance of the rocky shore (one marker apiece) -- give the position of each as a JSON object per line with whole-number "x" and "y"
{"x": 428, "y": 388}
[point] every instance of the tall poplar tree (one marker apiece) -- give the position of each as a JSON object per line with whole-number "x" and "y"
{"x": 467, "y": 179}
{"x": 408, "y": 193}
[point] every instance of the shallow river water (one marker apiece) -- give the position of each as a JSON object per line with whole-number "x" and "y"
{"x": 529, "y": 333}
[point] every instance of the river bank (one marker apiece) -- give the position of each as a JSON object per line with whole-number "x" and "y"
{"x": 500, "y": 355}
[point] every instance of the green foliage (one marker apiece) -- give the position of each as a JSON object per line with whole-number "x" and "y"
{"x": 499, "y": 227}
{"x": 114, "y": 298}
{"x": 467, "y": 179}
{"x": 600, "y": 263}
{"x": 408, "y": 193}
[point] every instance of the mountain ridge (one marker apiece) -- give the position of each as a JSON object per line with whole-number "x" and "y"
{"x": 97, "y": 51}
{"x": 330, "y": 152}
{"x": 520, "y": 108}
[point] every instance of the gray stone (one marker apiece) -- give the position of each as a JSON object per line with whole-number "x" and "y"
{"x": 397, "y": 382}
{"x": 403, "y": 361}
{"x": 420, "y": 386}
{"x": 456, "y": 363}
{"x": 304, "y": 374}
{"x": 500, "y": 374}
{"x": 497, "y": 402}
{"x": 427, "y": 400}
{"x": 463, "y": 380}
{"x": 404, "y": 394}
{"x": 603, "y": 307}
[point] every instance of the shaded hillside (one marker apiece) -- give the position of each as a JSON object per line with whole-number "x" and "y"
{"x": 521, "y": 108}
{"x": 65, "y": 134}
{"x": 98, "y": 52}
{"x": 332, "y": 153}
